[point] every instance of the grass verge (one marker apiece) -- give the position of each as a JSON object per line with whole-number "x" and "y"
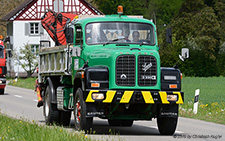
{"x": 12, "y": 129}
{"x": 28, "y": 83}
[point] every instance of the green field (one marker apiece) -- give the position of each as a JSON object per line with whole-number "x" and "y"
{"x": 211, "y": 98}
{"x": 212, "y": 89}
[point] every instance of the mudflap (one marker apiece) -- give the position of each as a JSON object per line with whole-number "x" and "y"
{"x": 168, "y": 110}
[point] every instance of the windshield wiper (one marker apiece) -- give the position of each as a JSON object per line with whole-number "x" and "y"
{"x": 114, "y": 40}
{"x": 143, "y": 43}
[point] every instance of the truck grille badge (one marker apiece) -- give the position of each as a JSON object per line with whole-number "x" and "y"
{"x": 123, "y": 76}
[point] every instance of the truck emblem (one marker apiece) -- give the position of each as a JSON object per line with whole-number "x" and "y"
{"x": 123, "y": 76}
{"x": 146, "y": 67}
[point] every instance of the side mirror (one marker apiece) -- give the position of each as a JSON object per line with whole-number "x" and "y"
{"x": 184, "y": 54}
{"x": 169, "y": 36}
{"x": 69, "y": 35}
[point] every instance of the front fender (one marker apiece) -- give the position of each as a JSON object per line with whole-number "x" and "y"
{"x": 53, "y": 97}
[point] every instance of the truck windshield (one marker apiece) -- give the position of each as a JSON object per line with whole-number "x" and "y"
{"x": 1, "y": 51}
{"x": 119, "y": 32}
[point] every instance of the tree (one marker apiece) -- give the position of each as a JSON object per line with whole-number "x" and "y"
{"x": 27, "y": 59}
{"x": 198, "y": 28}
{"x": 6, "y": 7}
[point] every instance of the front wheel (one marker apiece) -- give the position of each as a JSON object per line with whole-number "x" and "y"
{"x": 80, "y": 109}
{"x": 167, "y": 125}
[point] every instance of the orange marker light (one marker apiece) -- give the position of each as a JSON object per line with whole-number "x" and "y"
{"x": 1, "y": 37}
{"x": 120, "y": 9}
{"x": 82, "y": 74}
{"x": 173, "y": 86}
{"x": 96, "y": 85}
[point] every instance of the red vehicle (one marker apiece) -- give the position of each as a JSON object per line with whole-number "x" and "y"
{"x": 3, "y": 69}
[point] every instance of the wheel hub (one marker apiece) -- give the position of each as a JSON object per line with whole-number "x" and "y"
{"x": 77, "y": 111}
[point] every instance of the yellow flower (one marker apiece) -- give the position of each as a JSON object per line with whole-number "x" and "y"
{"x": 20, "y": 121}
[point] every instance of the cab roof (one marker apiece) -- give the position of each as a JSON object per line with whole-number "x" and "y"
{"x": 116, "y": 18}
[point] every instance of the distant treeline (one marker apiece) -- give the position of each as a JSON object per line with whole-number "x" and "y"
{"x": 196, "y": 24}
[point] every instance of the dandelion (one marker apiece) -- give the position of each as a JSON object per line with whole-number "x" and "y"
{"x": 85, "y": 136}
{"x": 20, "y": 121}
{"x": 60, "y": 130}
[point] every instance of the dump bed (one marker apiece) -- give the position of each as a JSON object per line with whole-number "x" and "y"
{"x": 54, "y": 60}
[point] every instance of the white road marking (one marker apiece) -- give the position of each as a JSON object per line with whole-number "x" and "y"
{"x": 35, "y": 100}
{"x": 18, "y": 96}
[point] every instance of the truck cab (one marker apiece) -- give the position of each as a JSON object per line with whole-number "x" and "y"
{"x": 110, "y": 68}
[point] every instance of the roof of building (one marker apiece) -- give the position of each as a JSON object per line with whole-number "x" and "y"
{"x": 16, "y": 12}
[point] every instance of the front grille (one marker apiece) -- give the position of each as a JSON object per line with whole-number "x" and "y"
{"x": 125, "y": 70}
{"x": 147, "y": 70}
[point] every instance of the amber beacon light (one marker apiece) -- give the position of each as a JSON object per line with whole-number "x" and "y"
{"x": 120, "y": 9}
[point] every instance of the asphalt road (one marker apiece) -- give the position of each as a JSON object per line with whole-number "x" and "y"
{"x": 21, "y": 103}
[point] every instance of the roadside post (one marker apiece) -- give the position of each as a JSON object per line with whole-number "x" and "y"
{"x": 195, "y": 110}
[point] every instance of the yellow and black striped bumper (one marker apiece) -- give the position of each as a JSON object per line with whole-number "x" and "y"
{"x": 148, "y": 97}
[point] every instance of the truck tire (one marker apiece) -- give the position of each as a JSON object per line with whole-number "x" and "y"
{"x": 81, "y": 121}
{"x": 120, "y": 122}
{"x": 167, "y": 125}
{"x": 65, "y": 118}
{"x": 51, "y": 113}
{"x": 2, "y": 91}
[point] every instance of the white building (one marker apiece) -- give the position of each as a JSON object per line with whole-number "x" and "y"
{"x": 24, "y": 24}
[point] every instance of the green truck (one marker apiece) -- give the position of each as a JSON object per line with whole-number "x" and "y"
{"x": 109, "y": 68}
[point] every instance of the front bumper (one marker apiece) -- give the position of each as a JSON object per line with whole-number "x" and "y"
{"x": 129, "y": 96}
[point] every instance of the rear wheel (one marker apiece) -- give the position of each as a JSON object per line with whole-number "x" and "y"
{"x": 2, "y": 91}
{"x": 81, "y": 121}
{"x": 51, "y": 113}
{"x": 65, "y": 118}
{"x": 167, "y": 125}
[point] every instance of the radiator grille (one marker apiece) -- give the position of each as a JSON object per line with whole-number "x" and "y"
{"x": 147, "y": 70}
{"x": 125, "y": 70}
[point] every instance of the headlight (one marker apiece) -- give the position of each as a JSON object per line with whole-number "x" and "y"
{"x": 172, "y": 97}
{"x": 167, "y": 77}
{"x": 97, "y": 96}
